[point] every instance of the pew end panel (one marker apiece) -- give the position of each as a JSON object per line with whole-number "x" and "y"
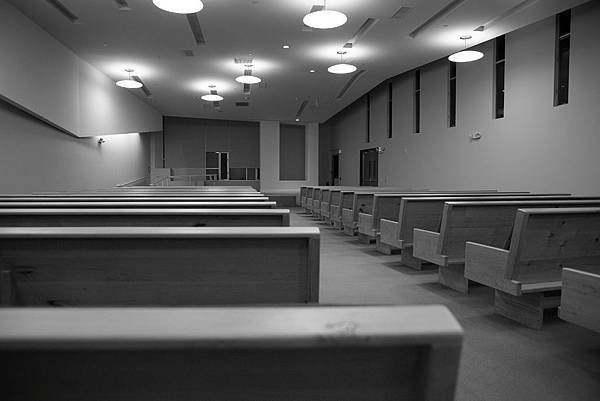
{"x": 124, "y": 266}
{"x": 426, "y": 246}
{"x": 486, "y": 264}
{"x": 348, "y": 223}
{"x": 580, "y": 298}
{"x": 389, "y": 233}
{"x": 370, "y": 353}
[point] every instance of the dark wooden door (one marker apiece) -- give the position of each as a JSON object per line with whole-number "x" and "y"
{"x": 369, "y": 166}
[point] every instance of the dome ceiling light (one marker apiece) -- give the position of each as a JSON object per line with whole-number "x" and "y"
{"x": 212, "y": 96}
{"x": 129, "y": 83}
{"x": 342, "y": 68}
{"x": 248, "y": 78}
{"x": 324, "y": 18}
{"x": 179, "y": 6}
{"x": 465, "y": 56}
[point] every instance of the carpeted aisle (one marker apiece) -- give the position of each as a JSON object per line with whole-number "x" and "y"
{"x": 501, "y": 360}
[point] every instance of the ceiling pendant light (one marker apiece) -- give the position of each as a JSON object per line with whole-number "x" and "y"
{"x": 129, "y": 83}
{"x": 179, "y": 6}
{"x": 342, "y": 68}
{"x": 324, "y": 18}
{"x": 212, "y": 96}
{"x": 465, "y": 56}
{"x": 248, "y": 78}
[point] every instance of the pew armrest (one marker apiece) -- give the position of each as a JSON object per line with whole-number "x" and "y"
{"x": 389, "y": 232}
{"x": 425, "y": 246}
{"x": 486, "y": 265}
{"x": 580, "y": 298}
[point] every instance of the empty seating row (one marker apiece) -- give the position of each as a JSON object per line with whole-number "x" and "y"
{"x": 337, "y": 353}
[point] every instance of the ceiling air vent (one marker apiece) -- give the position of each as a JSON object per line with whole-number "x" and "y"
{"x": 242, "y": 104}
{"x": 349, "y": 84}
{"x": 123, "y": 5}
{"x": 188, "y": 53}
{"x": 301, "y": 109}
{"x": 362, "y": 31}
{"x": 243, "y": 60}
{"x": 61, "y": 8}
{"x": 143, "y": 88}
{"x": 507, "y": 14}
{"x": 444, "y": 12}
{"x": 196, "y": 29}
{"x": 402, "y": 12}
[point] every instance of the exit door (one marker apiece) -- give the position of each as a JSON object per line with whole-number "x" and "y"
{"x": 369, "y": 166}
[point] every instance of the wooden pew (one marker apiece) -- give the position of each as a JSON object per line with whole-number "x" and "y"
{"x": 176, "y": 266}
{"x": 580, "y": 298}
{"x": 139, "y": 195}
{"x": 486, "y": 222}
{"x": 144, "y": 217}
{"x": 4, "y": 199}
{"x": 396, "y": 232}
{"x": 146, "y": 205}
{"x": 527, "y": 274}
{"x": 362, "y": 202}
{"x": 307, "y": 200}
{"x": 345, "y": 353}
{"x": 180, "y": 188}
{"x": 387, "y": 206}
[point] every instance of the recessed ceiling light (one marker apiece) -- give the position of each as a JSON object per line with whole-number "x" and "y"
{"x": 286, "y": 46}
{"x": 465, "y": 56}
{"x": 129, "y": 83}
{"x": 325, "y": 19}
{"x": 179, "y": 6}
{"x": 342, "y": 68}
{"x": 312, "y": 71}
{"x": 212, "y": 96}
{"x": 297, "y": 119}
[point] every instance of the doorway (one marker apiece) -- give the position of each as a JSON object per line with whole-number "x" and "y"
{"x": 335, "y": 169}
{"x": 369, "y": 167}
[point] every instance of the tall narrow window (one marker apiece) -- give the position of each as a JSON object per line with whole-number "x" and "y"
{"x": 561, "y": 64}
{"x": 417, "y": 116}
{"x": 390, "y": 109}
{"x": 451, "y": 94}
{"x": 499, "y": 58}
{"x": 368, "y": 117}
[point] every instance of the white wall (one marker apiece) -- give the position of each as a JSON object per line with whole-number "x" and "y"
{"x": 37, "y": 157}
{"x": 269, "y": 158}
{"x": 44, "y": 77}
{"x": 536, "y": 147}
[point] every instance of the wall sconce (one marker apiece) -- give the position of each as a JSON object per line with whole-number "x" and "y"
{"x": 379, "y": 149}
{"x": 474, "y": 137}
{"x": 101, "y": 141}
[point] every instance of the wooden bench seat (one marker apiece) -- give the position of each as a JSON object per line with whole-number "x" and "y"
{"x": 146, "y": 204}
{"x": 144, "y": 217}
{"x": 580, "y": 298}
{"x": 396, "y": 233}
{"x": 387, "y": 206}
{"x": 346, "y": 353}
{"x": 138, "y": 195}
{"x": 100, "y": 266}
{"x": 527, "y": 274}
{"x": 363, "y": 202}
{"x": 4, "y": 199}
{"x": 487, "y": 222}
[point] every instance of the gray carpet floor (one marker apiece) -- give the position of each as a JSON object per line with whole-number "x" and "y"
{"x": 501, "y": 360}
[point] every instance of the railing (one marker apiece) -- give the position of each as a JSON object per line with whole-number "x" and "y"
{"x": 137, "y": 181}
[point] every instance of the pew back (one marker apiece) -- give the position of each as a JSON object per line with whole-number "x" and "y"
{"x": 96, "y": 266}
{"x": 146, "y": 205}
{"x": 347, "y": 353}
{"x": 144, "y": 217}
{"x": 489, "y": 223}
